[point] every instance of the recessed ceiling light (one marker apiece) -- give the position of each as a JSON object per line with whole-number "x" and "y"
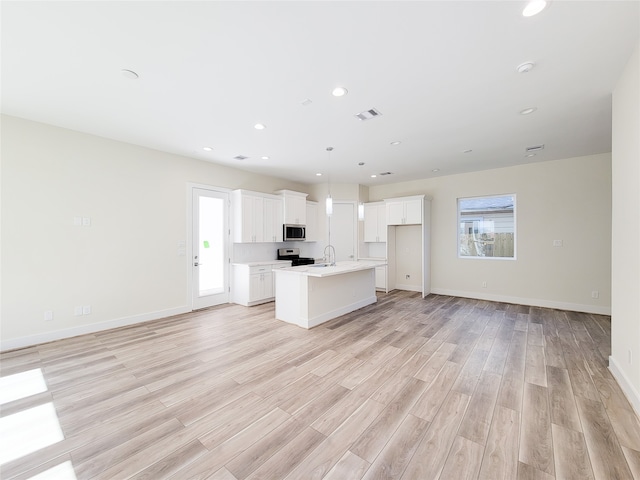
{"x": 259, "y": 126}
{"x": 525, "y": 67}
{"x": 373, "y": 176}
{"x": 130, "y": 74}
{"x": 318, "y": 174}
{"x": 395, "y": 143}
{"x": 207, "y": 149}
{"x": 527, "y": 111}
{"x": 468, "y": 151}
{"x": 339, "y": 92}
{"x": 264, "y": 158}
{"x": 534, "y": 7}
{"x": 435, "y": 170}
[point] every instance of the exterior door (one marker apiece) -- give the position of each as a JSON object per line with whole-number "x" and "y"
{"x": 210, "y": 248}
{"x": 343, "y": 230}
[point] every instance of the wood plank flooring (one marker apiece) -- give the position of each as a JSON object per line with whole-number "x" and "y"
{"x": 408, "y": 388}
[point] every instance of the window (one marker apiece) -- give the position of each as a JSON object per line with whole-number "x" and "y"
{"x": 487, "y": 227}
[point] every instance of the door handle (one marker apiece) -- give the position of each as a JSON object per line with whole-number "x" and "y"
{"x": 197, "y": 264}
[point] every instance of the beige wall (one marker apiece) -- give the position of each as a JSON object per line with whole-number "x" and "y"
{"x": 126, "y": 264}
{"x": 625, "y": 328}
{"x": 126, "y": 267}
{"x": 568, "y": 200}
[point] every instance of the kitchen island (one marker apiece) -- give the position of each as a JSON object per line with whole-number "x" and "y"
{"x": 313, "y": 294}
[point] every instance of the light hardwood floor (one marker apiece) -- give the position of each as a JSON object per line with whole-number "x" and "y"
{"x": 408, "y": 388}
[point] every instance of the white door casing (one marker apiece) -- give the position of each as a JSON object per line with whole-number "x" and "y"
{"x": 210, "y": 247}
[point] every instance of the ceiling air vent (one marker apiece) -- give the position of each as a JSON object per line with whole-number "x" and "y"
{"x": 368, "y": 114}
{"x": 533, "y": 149}
{"x": 240, "y": 157}
{"x": 385, "y": 173}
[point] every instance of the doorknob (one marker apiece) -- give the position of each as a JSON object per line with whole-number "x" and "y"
{"x": 197, "y": 264}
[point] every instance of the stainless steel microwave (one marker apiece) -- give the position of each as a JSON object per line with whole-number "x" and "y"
{"x": 295, "y": 233}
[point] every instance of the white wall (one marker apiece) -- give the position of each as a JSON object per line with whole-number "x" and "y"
{"x": 126, "y": 264}
{"x": 625, "y": 256}
{"x": 568, "y": 200}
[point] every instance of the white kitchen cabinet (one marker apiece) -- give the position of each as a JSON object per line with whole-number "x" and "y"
{"x": 248, "y": 216}
{"x": 257, "y": 217}
{"x": 381, "y": 278}
{"x": 273, "y": 219}
{"x": 312, "y": 222}
{"x": 404, "y": 211}
{"x": 295, "y": 207}
{"x": 260, "y": 287}
{"x": 254, "y": 284}
{"x": 375, "y": 222}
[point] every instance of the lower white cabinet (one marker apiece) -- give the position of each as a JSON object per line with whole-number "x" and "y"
{"x": 254, "y": 284}
{"x": 381, "y": 278}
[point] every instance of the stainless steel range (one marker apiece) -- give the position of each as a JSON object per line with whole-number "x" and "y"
{"x": 293, "y": 254}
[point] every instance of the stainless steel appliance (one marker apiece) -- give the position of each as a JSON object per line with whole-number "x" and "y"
{"x": 293, "y": 254}
{"x": 293, "y": 232}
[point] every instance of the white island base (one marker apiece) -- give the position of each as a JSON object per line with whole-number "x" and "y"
{"x": 308, "y": 296}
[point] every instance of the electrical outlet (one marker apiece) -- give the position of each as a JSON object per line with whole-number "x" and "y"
{"x": 48, "y": 315}
{"x": 484, "y": 284}
{"x": 595, "y": 294}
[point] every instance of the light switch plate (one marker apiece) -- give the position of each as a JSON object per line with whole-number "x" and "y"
{"x": 557, "y": 243}
{"x": 86, "y": 221}
{"x": 48, "y": 315}
{"x": 77, "y": 221}
{"x": 77, "y": 311}
{"x": 86, "y": 310}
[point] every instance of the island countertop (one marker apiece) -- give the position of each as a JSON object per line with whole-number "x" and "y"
{"x": 326, "y": 270}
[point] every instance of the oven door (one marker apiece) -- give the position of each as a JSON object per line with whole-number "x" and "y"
{"x": 294, "y": 233}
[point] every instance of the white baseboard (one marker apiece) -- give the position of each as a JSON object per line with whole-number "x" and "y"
{"x": 533, "y": 302}
{"x": 39, "y": 338}
{"x": 627, "y": 387}
{"x": 408, "y": 288}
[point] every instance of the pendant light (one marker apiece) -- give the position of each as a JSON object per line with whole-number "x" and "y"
{"x": 329, "y": 200}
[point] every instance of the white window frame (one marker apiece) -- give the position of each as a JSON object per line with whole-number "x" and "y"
{"x": 515, "y": 229}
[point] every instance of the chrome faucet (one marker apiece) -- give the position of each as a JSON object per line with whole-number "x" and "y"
{"x": 331, "y": 257}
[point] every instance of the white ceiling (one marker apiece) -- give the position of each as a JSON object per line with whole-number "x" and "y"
{"x": 443, "y": 75}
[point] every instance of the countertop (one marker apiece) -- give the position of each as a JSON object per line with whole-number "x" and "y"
{"x": 265, "y": 262}
{"x": 323, "y": 270}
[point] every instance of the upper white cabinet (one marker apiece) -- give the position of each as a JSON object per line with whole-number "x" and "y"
{"x": 312, "y": 222}
{"x": 375, "y": 222}
{"x": 295, "y": 207}
{"x": 404, "y": 211}
{"x": 257, "y": 217}
{"x": 273, "y": 219}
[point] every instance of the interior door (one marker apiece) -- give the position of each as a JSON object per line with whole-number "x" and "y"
{"x": 210, "y": 248}
{"x": 343, "y": 230}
